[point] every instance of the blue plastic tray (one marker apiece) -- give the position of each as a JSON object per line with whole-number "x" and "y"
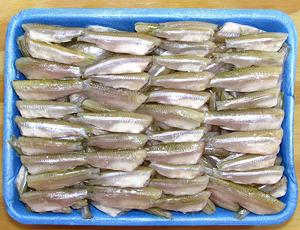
{"x": 124, "y": 19}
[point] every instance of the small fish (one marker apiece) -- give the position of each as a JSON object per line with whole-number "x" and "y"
{"x": 217, "y": 67}
{"x": 124, "y": 198}
{"x": 191, "y": 203}
{"x": 116, "y": 121}
{"x": 260, "y": 99}
{"x": 86, "y": 212}
{"x": 98, "y": 28}
{"x": 52, "y": 162}
{"x": 125, "y": 42}
{"x": 177, "y": 135}
{"x": 109, "y": 210}
{"x": 134, "y": 81}
{"x": 60, "y": 179}
{"x": 46, "y": 109}
{"x": 179, "y": 97}
{"x": 176, "y": 153}
{"x": 210, "y": 208}
{"x": 178, "y": 171}
{"x": 182, "y": 62}
{"x": 42, "y": 69}
{"x": 21, "y": 180}
{"x": 22, "y": 46}
{"x": 266, "y": 41}
{"x": 44, "y": 201}
{"x": 180, "y": 80}
{"x": 180, "y": 187}
{"x": 146, "y": 28}
{"x": 255, "y": 142}
{"x": 50, "y": 33}
{"x": 246, "y": 120}
{"x": 224, "y": 200}
{"x": 276, "y": 190}
{"x": 242, "y": 59}
{"x": 123, "y": 160}
{"x": 159, "y": 212}
{"x": 212, "y": 151}
{"x": 122, "y": 99}
{"x": 48, "y": 89}
{"x": 183, "y": 24}
{"x": 118, "y": 141}
{"x": 156, "y": 70}
{"x": 94, "y": 106}
{"x": 248, "y": 79}
{"x": 135, "y": 179}
{"x": 35, "y": 145}
{"x": 119, "y": 64}
{"x": 49, "y": 128}
{"x": 57, "y": 53}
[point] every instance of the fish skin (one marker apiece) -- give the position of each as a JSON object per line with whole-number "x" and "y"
{"x": 210, "y": 208}
{"x": 57, "y": 53}
{"x": 276, "y": 190}
{"x": 188, "y": 203}
{"x": 21, "y": 180}
{"x": 94, "y": 106}
{"x": 48, "y": 89}
{"x": 135, "y": 179}
{"x": 22, "y": 46}
{"x": 121, "y": 99}
{"x": 49, "y": 128}
{"x": 118, "y": 141}
{"x": 253, "y": 142}
{"x": 50, "y": 33}
{"x": 159, "y": 212}
{"x": 179, "y": 97}
{"x": 119, "y": 64}
{"x": 60, "y": 179}
{"x": 77, "y": 98}
{"x": 146, "y": 28}
{"x": 183, "y": 62}
{"x": 268, "y": 41}
{"x": 46, "y": 109}
{"x": 123, "y": 160}
{"x": 183, "y": 24}
{"x": 157, "y": 70}
{"x": 41, "y": 69}
{"x": 125, "y": 42}
{"x": 246, "y": 120}
{"x": 134, "y": 81}
{"x": 178, "y": 171}
{"x": 52, "y": 162}
{"x": 224, "y": 200}
{"x": 124, "y": 198}
{"x": 44, "y": 201}
{"x": 173, "y": 116}
{"x": 98, "y": 28}
{"x": 109, "y": 210}
{"x": 176, "y": 153}
{"x": 248, "y": 79}
{"x": 180, "y": 187}
{"x": 187, "y": 81}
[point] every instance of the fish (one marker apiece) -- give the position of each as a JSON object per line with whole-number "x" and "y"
{"x": 135, "y": 179}
{"x": 246, "y": 162}
{"x": 45, "y": 201}
{"x": 116, "y": 121}
{"x": 53, "y": 162}
{"x": 134, "y": 81}
{"x": 146, "y": 28}
{"x": 246, "y": 120}
{"x": 173, "y": 116}
{"x": 109, "y": 210}
{"x": 224, "y": 200}
{"x": 188, "y": 203}
{"x": 86, "y": 212}
{"x": 77, "y": 98}
{"x": 36, "y": 145}
{"x": 56, "y": 53}
{"x": 46, "y": 109}
{"x": 125, "y": 42}
{"x": 176, "y": 153}
{"x": 216, "y": 67}
{"x": 124, "y": 198}
{"x": 123, "y": 160}
{"x": 159, "y": 212}
{"x": 180, "y": 187}
{"x": 21, "y": 180}
{"x": 118, "y": 141}
{"x": 41, "y": 69}
{"x": 50, "y": 33}
{"x": 122, "y": 99}
{"x": 119, "y": 64}
{"x": 192, "y": 48}
{"x": 183, "y": 62}
{"x": 260, "y": 99}
{"x": 179, "y": 97}
{"x": 212, "y": 151}
{"x": 247, "y": 196}
{"x": 276, "y": 190}
{"x": 94, "y": 106}
{"x": 174, "y": 136}
{"x": 267, "y": 41}
{"x": 48, "y": 89}
{"x": 156, "y": 70}
{"x": 177, "y": 171}
{"x": 253, "y": 142}
{"x": 242, "y": 59}
{"x": 210, "y": 208}
{"x": 22, "y": 46}
{"x": 248, "y": 79}
{"x": 186, "y": 81}
{"x": 183, "y": 24}
{"x": 98, "y": 28}
{"x": 60, "y": 179}
{"x": 49, "y": 128}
